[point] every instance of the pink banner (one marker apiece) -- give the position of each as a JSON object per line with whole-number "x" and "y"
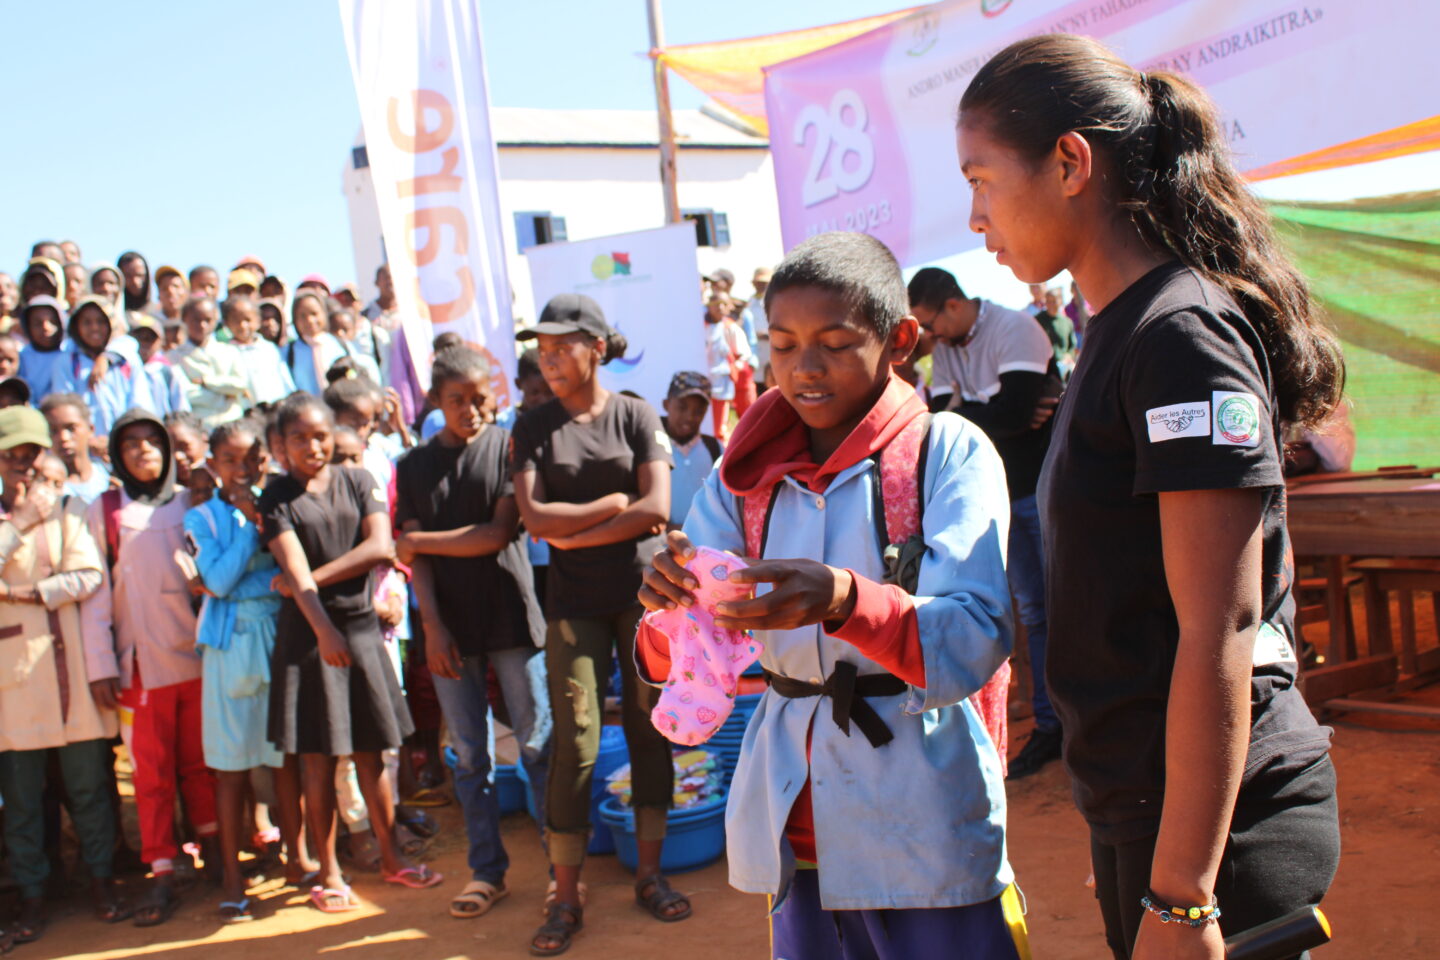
{"x": 862, "y": 133}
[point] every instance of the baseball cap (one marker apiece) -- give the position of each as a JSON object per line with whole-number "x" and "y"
{"x": 763, "y": 275}
{"x": 349, "y": 288}
{"x": 143, "y": 321}
{"x": 17, "y": 384}
{"x": 315, "y": 279}
{"x": 723, "y": 275}
{"x": 242, "y": 277}
{"x": 23, "y": 424}
{"x": 569, "y": 313}
{"x": 251, "y": 260}
{"x": 166, "y": 270}
{"x": 689, "y": 383}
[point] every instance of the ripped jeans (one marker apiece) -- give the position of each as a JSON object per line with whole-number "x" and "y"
{"x": 577, "y": 659}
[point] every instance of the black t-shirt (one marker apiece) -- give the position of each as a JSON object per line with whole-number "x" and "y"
{"x": 329, "y": 524}
{"x": 487, "y": 603}
{"x": 581, "y": 462}
{"x": 1172, "y": 392}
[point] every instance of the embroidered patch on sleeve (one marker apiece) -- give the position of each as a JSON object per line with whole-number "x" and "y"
{"x": 1178, "y": 420}
{"x": 1237, "y": 419}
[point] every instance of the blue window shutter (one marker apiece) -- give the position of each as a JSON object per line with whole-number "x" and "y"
{"x": 525, "y": 230}
{"x": 722, "y": 230}
{"x": 557, "y": 230}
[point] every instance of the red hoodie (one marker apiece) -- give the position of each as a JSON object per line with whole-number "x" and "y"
{"x": 770, "y": 443}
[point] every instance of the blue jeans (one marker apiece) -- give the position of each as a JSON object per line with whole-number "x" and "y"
{"x": 1026, "y": 570}
{"x": 466, "y": 705}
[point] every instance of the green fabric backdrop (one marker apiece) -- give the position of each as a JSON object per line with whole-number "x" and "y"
{"x": 1375, "y": 266}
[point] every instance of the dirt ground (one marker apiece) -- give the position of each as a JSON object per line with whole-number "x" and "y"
{"x": 1383, "y": 903}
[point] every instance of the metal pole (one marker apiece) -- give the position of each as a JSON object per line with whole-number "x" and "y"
{"x": 662, "y": 113}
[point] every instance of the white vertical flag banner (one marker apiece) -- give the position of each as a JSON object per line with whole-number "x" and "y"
{"x": 420, "y": 79}
{"x": 646, "y": 284}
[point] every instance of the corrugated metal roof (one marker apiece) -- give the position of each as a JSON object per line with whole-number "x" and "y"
{"x": 520, "y": 126}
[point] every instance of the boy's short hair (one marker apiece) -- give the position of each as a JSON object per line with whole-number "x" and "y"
{"x": 244, "y": 427}
{"x": 186, "y": 419}
{"x": 55, "y": 400}
{"x": 447, "y": 340}
{"x": 855, "y": 267}
{"x": 932, "y": 287}
{"x": 194, "y": 302}
{"x": 458, "y": 363}
{"x": 232, "y": 302}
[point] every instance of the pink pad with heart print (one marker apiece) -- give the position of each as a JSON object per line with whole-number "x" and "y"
{"x": 705, "y": 660}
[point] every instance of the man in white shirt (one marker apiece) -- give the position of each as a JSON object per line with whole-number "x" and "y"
{"x": 753, "y": 318}
{"x": 218, "y": 386}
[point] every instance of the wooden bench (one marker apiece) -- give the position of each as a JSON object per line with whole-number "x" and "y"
{"x": 1403, "y": 575}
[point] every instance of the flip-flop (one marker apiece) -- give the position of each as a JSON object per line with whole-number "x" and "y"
{"x": 319, "y": 897}
{"x": 306, "y": 880}
{"x": 481, "y": 895}
{"x": 236, "y": 911}
{"x": 428, "y": 797}
{"x": 416, "y": 878}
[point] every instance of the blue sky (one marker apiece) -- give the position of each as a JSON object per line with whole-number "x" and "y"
{"x": 200, "y": 131}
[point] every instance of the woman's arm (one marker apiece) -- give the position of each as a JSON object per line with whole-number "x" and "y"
{"x": 334, "y": 649}
{"x": 441, "y": 653}
{"x": 475, "y": 540}
{"x": 545, "y": 519}
{"x": 221, "y": 567}
{"x": 375, "y": 549}
{"x": 1212, "y": 543}
{"x": 649, "y": 511}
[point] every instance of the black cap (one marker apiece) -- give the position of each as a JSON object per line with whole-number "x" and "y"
{"x": 689, "y": 383}
{"x": 722, "y": 275}
{"x": 569, "y": 313}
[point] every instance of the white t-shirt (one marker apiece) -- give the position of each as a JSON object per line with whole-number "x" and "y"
{"x": 1002, "y": 341}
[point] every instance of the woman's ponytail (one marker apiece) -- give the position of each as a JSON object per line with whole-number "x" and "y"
{"x": 1162, "y": 136}
{"x": 615, "y": 345}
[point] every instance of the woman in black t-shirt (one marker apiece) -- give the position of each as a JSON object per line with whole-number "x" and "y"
{"x": 591, "y": 473}
{"x": 1172, "y": 658}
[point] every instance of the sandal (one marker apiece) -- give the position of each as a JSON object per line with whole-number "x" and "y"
{"x": 30, "y": 926}
{"x": 236, "y": 911}
{"x": 109, "y": 906}
{"x": 428, "y": 797}
{"x": 476, "y": 899}
{"x": 562, "y": 922}
{"x": 660, "y": 897}
{"x": 157, "y": 906}
{"x": 417, "y": 822}
{"x": 551, "y": 894}
{"x": 363, "y": 851}
{"x": 416, "y": 878}
{"x": 325, "y": 899}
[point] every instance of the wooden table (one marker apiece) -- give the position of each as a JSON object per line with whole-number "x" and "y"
{"x": 1367, "y": 516}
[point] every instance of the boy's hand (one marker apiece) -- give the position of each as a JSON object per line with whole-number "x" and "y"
{"x": 334, "y": 649}
{"x": 106, "y": 693}
{"x": 667, "y": 583}
{"x": 806, "y": 592}
{"x": 442, "y": 656}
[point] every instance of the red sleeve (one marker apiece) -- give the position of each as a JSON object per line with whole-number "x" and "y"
{"x": 652, "y": 650}
{"x": 884, "y": 628}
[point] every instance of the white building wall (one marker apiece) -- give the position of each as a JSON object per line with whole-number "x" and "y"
{"x": 602, "y": 191}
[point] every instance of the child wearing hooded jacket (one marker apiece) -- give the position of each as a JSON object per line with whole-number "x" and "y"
{"x": 868, "y": 800}
{"x": 101, "y": 366}
{"x": 140, "y": 631}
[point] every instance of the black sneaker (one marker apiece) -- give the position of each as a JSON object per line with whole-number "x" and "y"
{"x": 1042, "y": 747}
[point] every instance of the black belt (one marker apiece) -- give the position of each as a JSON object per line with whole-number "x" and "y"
{"x": 847, "y": 692}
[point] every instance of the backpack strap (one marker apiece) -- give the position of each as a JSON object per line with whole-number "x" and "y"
{"x": 755, "y": 513}
{"x": 712, "y": 445}
{"x": 902, "y": 470}
{"x": 110, "y": 508}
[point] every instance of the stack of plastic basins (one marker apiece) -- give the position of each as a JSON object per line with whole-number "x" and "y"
{"x": 725, "y": 744}
{"x": 694, "y": 836}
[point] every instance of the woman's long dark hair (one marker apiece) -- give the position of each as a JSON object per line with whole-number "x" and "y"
{"x": 1157, "y": 138}
{"x": 134, "y": 301}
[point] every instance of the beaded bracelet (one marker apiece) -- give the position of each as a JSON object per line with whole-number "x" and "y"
{"x": 1190, "y": 916}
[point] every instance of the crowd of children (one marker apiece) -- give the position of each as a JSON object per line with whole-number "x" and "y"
{"x": 222, "y": 543}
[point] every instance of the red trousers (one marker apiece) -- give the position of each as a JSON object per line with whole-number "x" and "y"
{"x": 168, "y": 747}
